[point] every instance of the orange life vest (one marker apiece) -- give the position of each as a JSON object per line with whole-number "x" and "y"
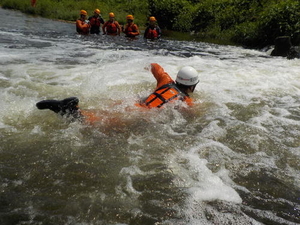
{"x": 111, "y": 27}
{"x": 95, "y": 21}
{"x": 164, "y": 94}
{"x": 131, "y": 28}
{"x": 152, "y": 33}
{"x": 90, "y": 117}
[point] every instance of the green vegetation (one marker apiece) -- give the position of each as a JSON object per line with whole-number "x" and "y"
{"x": 69, "y": 9}
{"x": 252, "y": 23}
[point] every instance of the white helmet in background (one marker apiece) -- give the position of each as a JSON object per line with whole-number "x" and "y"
{"x": 187, "y": 76}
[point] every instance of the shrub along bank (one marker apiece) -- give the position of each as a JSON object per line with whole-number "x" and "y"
{"x": 252, "y": 23}
{"x": 68, "y": 10}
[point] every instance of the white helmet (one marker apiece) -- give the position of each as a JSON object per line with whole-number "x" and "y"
{"x": 187, "y": 76}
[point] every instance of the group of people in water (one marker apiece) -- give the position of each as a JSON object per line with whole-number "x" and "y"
{"x": 92, "y": 25}
{"x": 167, "y": 90}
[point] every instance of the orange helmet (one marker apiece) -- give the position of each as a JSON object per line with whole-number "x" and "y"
{"x": 129, "y": 17}
{"x": 152, "y": 18}
{"x": 111, "y": 14}
{"x": 97, "y": 11}
{"x": 83, "y": 12}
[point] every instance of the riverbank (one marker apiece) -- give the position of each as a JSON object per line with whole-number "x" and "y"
{"x": 253, "y": 24}
{"x": 167, "y": 34}
{"x": 68, "y": 10}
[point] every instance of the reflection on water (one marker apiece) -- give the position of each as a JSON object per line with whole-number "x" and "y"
{"x": 231, "y": 159}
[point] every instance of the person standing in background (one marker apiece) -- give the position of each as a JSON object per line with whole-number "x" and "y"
{"x": 111, "y": 27}
{"x": 82, "y": 24}
{"x": 131, "y": 29}
{"x": 153, "y": 31}
{"x": 95, "y": 21}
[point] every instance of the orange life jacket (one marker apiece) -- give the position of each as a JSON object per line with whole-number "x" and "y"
{"x": 164, "y": 94}
{"x": 131, "y": 28}
{"x": 82, "y": 27}
{"x": 95, "y": 21}
{"x": 152, "y": 33}
{"x": 111, "y": 27}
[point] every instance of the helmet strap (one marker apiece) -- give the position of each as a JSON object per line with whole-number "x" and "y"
{"x": 186, "y": 89}
{"x": 192, "y": 88}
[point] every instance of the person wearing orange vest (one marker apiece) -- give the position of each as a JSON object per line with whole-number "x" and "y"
{"x": 111, "y": 27}
{"x": 82, "y": 24}
{"x": 152, "y": 31}
{"x": 131, "y": 29}
{"x": 168, "y": 90}
{"x": 95, "y": 21}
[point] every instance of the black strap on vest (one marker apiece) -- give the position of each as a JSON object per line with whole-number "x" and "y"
{"x": 168, "y": 87}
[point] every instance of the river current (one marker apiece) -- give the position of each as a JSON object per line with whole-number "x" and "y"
{"x": 233, "y": 158}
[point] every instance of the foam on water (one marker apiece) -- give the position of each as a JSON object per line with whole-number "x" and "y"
{"x": 205, "y": 166}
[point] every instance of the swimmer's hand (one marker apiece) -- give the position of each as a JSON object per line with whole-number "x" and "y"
{"x": 148, "y": 68}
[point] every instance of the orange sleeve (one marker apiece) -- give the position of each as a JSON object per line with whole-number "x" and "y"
{"x": 160, "y": 75}
{"x": 78, "y": 24}
{"x": 119, "y": 29}
{"x": 135, "y": 30}
{"x": 90, "y": 117}
{"x": 84, "y": 27}
{"x": 189, "y": 101}
{"x": 118, "y": 25}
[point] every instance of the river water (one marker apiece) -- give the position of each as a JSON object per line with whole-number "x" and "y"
{"x": 233, "y": 158}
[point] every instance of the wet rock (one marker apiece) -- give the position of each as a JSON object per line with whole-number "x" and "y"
{"x": 284, "y": 47}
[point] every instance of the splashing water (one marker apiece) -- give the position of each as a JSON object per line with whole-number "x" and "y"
{"x": 231, "y": 159}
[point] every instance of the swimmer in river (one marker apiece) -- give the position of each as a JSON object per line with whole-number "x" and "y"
{"x": 152, "y": 31}
{"x": 167, "y": 90}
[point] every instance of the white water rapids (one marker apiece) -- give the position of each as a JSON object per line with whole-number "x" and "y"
{"x": 231, "y": 159}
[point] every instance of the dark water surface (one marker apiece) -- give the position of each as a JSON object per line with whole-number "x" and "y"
{"x": 231, "y": 159}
